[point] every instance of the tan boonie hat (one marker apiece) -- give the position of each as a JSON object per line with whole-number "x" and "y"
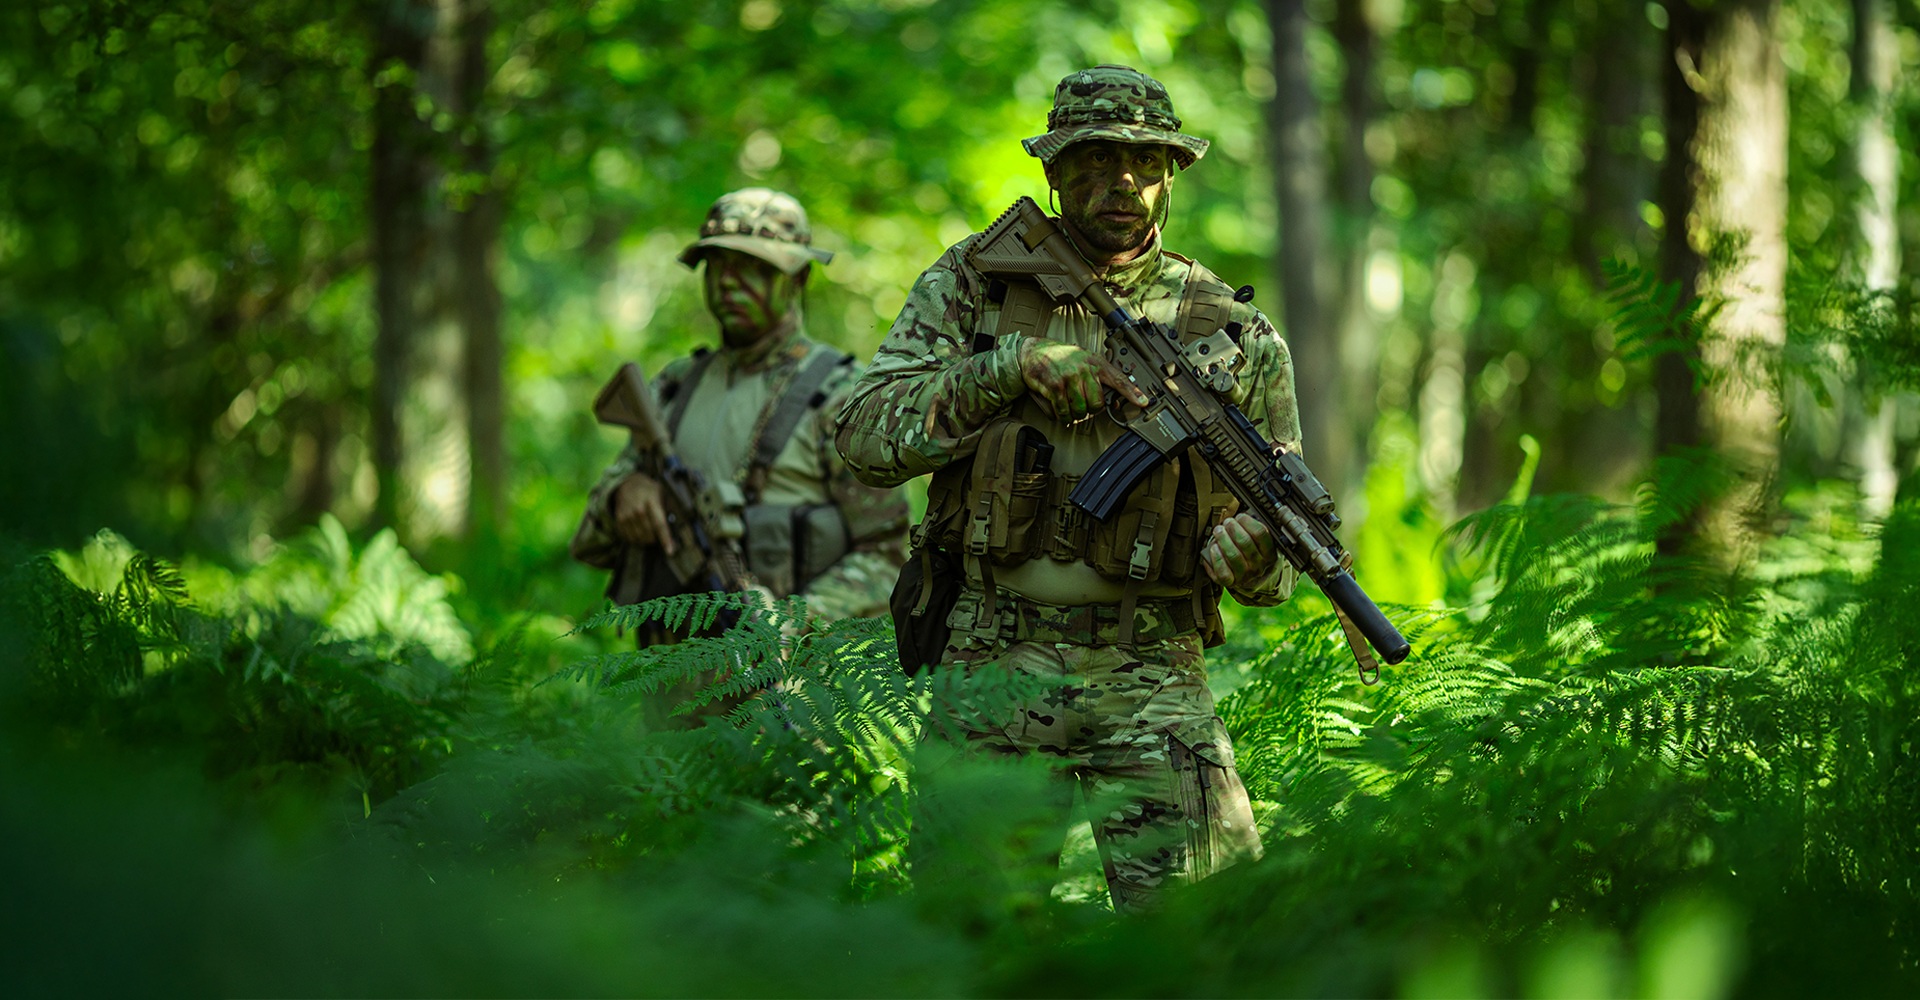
{"x": 1113, "y": 102}
{"x": 766, "y": 223}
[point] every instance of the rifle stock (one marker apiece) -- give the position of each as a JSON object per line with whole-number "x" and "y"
{"x": 1187, "y": 387}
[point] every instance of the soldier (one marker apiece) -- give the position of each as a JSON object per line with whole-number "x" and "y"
{"x": 756, "y": 419}
{"x": 997, "y": 391}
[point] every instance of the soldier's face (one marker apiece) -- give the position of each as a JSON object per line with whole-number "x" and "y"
{"x": 747, "y": 295}
{"x": 1111, "y": 192}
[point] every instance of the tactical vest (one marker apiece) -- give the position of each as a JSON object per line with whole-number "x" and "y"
{"x": 785, "y": 545}
{"x": 1004, "y": 506}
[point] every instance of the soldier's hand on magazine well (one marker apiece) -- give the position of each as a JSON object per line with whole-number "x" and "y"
{"x": 1071, "y": 379}
{"x": 639, "y": 515}
{"x": 1241, "y": 551}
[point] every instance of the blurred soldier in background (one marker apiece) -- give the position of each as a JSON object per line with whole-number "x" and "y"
{"x": 754, "y": 421}
{"x": 995, "y": 389}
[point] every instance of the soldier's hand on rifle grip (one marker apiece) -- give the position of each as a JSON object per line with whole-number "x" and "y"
{"x": 639, "y": 516}
{"x": 1241, "y": 551}
{"x": 1072, "y": 380}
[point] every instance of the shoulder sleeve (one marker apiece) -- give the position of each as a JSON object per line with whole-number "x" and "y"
{"x": 925, "y": 398}
{"x": 1266, "y": 380}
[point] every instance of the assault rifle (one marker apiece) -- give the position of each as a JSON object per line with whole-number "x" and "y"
{"x": 699, "y": 560}
{"x": 1189, "y": 390}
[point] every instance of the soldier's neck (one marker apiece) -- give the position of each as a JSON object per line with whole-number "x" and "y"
{"x": 750, "y": 354}
{"x": 1110, "y": 265}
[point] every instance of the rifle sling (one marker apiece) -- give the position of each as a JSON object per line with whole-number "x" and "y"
{"x": 684, "y": 389}
{"x": 793, "y": 404}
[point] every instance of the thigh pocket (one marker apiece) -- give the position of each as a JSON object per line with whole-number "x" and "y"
{"x": 1219, "y": 818}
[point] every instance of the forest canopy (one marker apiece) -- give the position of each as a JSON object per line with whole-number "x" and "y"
{"x": 1603, "y": 314}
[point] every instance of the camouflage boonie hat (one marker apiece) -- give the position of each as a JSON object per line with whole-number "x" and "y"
{"x": 1113, "y": 102}
{"x": 766, "y": 223}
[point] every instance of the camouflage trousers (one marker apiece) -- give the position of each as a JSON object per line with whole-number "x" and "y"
{"x": 1132, "y": 725}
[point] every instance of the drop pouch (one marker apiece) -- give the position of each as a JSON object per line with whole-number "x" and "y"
{"x": 924, "y": 596}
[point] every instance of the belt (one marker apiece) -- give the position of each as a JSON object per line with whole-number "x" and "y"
{"x": 1021, "y": 620}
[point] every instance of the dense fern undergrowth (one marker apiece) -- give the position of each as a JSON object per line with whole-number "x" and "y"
{"x": 1607, "y": 770}
{"x": 1610, "y": 773}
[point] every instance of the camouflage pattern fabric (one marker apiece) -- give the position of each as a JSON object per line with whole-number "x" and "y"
{"x": 768, "y": 224}
{"x": 926, "y": 397}
{"x": 1133, "y": 722}
{"x": 808, "y": 470}
{"x": 1135, "y": 728}
{"x": 1113, "y": 102}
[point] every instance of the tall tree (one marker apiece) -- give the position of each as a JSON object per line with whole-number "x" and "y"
{"x": 1677, "y": 419}
{"x": 1300, "y": 191}
{"x": 397, "y": 206}
{"x": 1725, "y": 195}
{"x": 1354, "y": 237}
{"x": 1877, "y": 159}
{"x": 476, "y": 279}
{"x": 1613, "y": 178}
{"x": 1744, "y": 151}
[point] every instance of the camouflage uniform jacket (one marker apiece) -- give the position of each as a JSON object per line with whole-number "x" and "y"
{"x": 926, "y": 398}
{"x": 715, "y": 438}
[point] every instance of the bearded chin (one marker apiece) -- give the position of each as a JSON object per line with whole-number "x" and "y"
{"x": 739, "y": 332}
{"x": 1110, "y": 238}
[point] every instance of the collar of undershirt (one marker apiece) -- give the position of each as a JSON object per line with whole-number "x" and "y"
{"x": 1138, "y": 271}
{"x": 785, "y": 343}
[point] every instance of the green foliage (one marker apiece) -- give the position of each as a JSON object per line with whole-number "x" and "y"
{"x": 378, "y": 595}
{"x": 337, "y": 691}
{"x": 1610, "y": 754}
{"x": 330, "y": 770}
{"x": 1651, "y": 317}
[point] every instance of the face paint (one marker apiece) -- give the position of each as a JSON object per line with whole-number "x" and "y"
{"x": 1112, "y": 193}
{"x": 747, "y": 295}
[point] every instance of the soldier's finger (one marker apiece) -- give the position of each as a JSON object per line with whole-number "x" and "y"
{"x": 1215, "y": 562}
{"x": 1228, "y": 547}
{"x": 1084, "y": 393}
{"x": 657, "y": 519}
{"x": 1111, "y": 376}
{"x": 1236, "y": 529}
{"x": 1055, "y": 399}
{"x": 1260, "y": 535}
{"x": 625, "y": 517}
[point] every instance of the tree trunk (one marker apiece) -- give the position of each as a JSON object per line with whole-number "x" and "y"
{"x": 1875, "y": 58}
{"x": 1612, "y": 179}
{"x": 1677, "y": 418}
{"x": 1603, "y": 447}
{"x": 477, "y": 285}
{"x": 1300, "y": 190}
{"x": 1743, "y": 208}
{"x": 1444, "y": 405}
{"x": 1528, "y": 57}
{"x": 397, "y": 202}
{"x": 312, "y": 475}
{"x": 1354, "y": 241}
